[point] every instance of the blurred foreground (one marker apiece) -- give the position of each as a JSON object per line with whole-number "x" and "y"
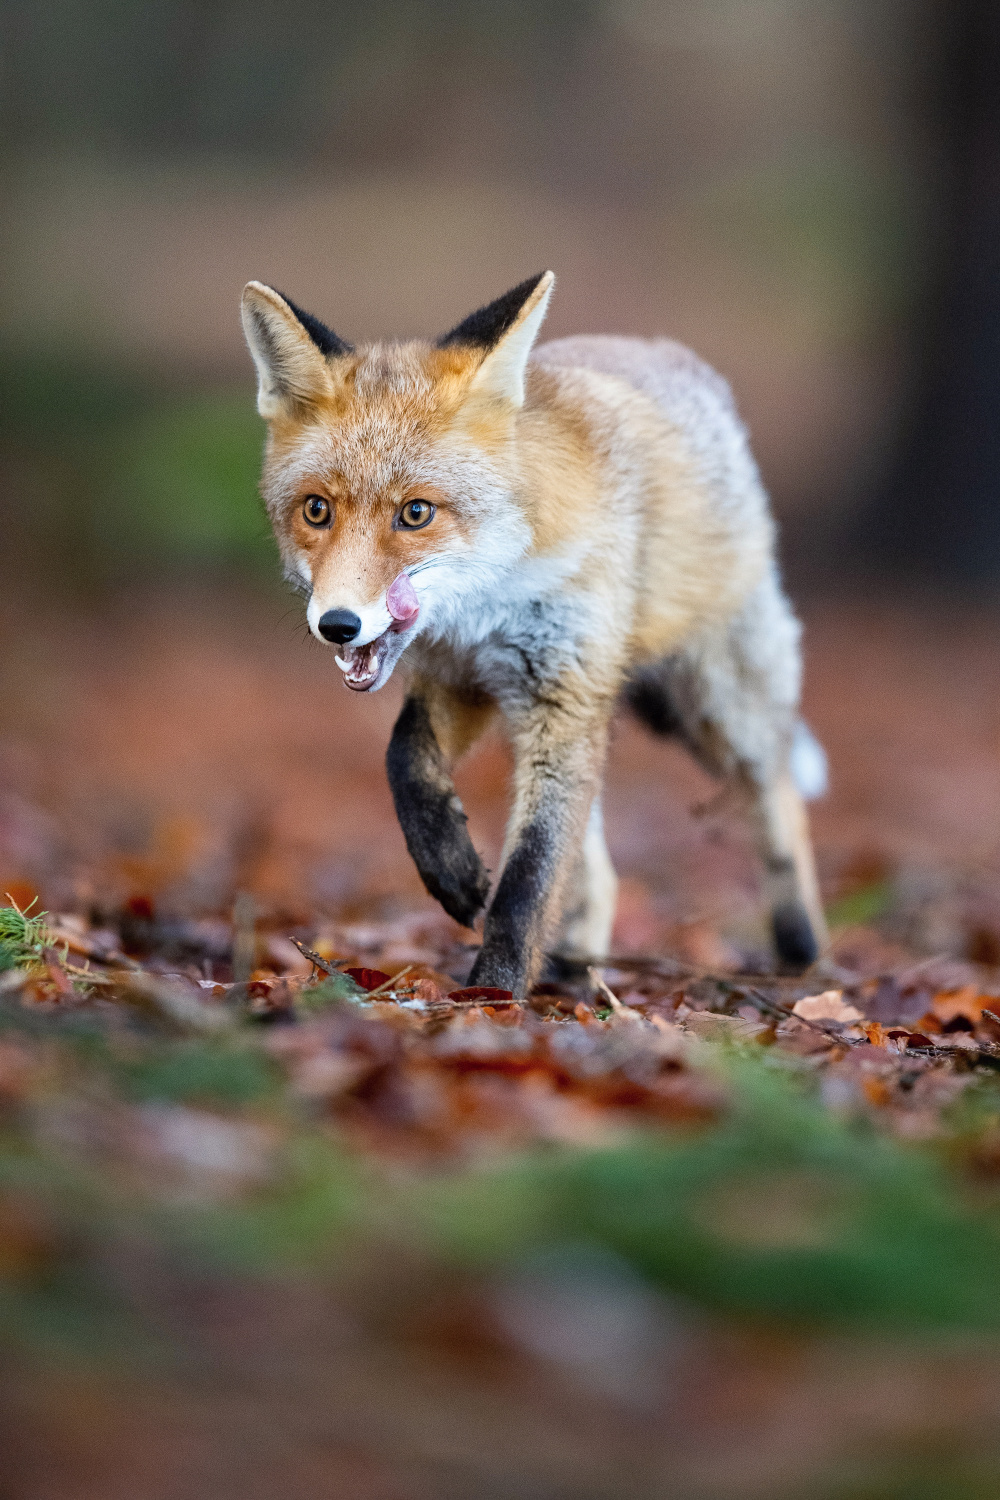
{"x": 262, "y": 1228}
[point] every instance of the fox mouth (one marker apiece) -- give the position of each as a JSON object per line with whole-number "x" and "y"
{"x": 362, "y": 665}
{"x": 369, "y": 667}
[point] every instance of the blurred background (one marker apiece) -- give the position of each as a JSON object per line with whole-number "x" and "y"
{"x": 808, "y": 193}
{"x": 804, "y": 190}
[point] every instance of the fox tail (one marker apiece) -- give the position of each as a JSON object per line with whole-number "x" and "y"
{"x": 808, "y": 763}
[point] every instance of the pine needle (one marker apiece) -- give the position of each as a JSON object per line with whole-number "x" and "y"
{"x": 23, "y": 939}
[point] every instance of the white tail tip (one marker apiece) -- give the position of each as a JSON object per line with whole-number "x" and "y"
{"x": 807, "y": 762}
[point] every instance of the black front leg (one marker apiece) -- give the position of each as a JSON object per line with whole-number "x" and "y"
{"x": 431, "y": 816}
{"x": 559, "y": 747}
{"x": 515, "y": 924}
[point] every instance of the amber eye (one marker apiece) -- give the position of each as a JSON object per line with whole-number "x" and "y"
{"x": 416, "y": 513}
{"x": 316, "y": 510}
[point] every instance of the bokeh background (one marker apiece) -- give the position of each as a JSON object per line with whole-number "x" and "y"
{"x": 805, "y": 191}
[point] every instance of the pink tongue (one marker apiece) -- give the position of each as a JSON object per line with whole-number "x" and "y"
{"x": 403, "y": 604}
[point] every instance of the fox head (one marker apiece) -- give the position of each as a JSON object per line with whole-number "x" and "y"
{"x": 390, "y": 471}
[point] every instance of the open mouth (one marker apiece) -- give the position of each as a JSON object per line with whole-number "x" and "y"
{"x": 362, "y": 665}
{"x": 369, "y": 667}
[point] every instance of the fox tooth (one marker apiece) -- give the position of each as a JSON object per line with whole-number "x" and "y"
{"x": 344, "y": 666}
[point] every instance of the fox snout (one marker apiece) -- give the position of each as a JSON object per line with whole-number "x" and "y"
{"x": 372, "y": 637}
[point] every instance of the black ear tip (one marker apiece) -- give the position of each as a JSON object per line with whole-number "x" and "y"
{"x": 486, "y": 327}
{"x": 326, "y": 341}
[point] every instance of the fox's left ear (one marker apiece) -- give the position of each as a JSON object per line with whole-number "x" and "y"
{"x": 290, "y": 348}
{"x": 506, "y": 330}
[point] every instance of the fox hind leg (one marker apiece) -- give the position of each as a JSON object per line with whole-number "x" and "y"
{"x": 797, "y": 920}
{"x": 589, "y": 911}
{"x": 731, "y": 696}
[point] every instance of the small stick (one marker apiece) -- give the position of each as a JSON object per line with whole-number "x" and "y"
{"x": 905, "y": 975}
{"x": 90, "y": 975}
{"x": 325, "y": 966}
{"x": 603, "y": 989}
{"x": 389, "y": 984}
{"x": 991, "y": 1015}
{"x": 762, "y": 1002}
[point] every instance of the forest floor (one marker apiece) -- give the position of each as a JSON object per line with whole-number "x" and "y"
{"x": 337, "y": 1224}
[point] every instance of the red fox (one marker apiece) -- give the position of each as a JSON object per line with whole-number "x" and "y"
{"x": 541, "y": 535}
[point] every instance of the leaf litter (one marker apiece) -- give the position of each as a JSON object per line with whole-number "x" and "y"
{"x": 283, "y": 1190}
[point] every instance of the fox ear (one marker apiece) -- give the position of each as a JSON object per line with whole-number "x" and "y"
{"x": 506, "y": 330}
{"x": 290, "y": 349}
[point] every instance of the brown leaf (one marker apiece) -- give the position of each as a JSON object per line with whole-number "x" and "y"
{"x": 368, "y": 979}
{"x": 481, "y": 994}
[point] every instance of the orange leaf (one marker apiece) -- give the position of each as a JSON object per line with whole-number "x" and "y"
{"x": 966, "y": 1002}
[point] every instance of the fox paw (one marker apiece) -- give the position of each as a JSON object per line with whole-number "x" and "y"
{"x": 793, "y": 935}
{"x": 462, "y": 889}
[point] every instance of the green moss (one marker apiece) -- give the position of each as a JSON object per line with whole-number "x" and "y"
{"x": 184, "y": 482}
{"x": 199, "y": 1072}
{"x": 779, "y": 1209}
{"x": 333, "y": 990}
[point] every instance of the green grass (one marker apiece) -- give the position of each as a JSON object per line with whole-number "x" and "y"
{"x": 781, "y": 1210}
{"x": 778, "y": 1209}
{"x": 125, "y": 473}
{"x": 863, "y": 906}
{"x": 22, "y": 937}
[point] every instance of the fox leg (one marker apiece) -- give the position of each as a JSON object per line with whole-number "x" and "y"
{"x": 434, "y": 727}
{"x": 559, "y": 757}
{"x": 797, "y": 919}
{"x": 731, "y": 695}
{"x": 589, "y": 911}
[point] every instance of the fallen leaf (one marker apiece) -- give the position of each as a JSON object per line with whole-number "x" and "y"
{"x": 966, "y": 1003}
{"x": 368, "y": 979}
{"x": 712, "y": 1026}
{"x": 829, "y": 1006}
{"x": 481, "y": 994}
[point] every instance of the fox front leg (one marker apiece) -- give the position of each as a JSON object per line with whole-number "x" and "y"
{"x": 427, "y": 805}
{"x": 558, "y": 767}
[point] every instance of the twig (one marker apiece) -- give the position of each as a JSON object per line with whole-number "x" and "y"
{"x": 680, "y": 970}
{"x": 905, "y": 975}
{"x": 325, "y": 965}
{"x": 604, "y": 990}
{"x": 90, "y": 975}
{"x": 390, "y": 984}
{"x": 991, "y": 1015}
{"x": 762, "y": 1002}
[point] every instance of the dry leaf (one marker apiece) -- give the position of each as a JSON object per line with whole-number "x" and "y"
{"x": 830, "y": 1006}
{"x": 967, "y": 1003}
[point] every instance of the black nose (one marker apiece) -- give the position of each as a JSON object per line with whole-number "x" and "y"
{"x": 339, "y": 625}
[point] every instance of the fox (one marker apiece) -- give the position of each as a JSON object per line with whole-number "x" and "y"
{"x": 540, "y": 534}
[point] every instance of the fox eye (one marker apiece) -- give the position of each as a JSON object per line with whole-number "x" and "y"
{"x": 316, "y": 510}
{"x": 416, "y": 513}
